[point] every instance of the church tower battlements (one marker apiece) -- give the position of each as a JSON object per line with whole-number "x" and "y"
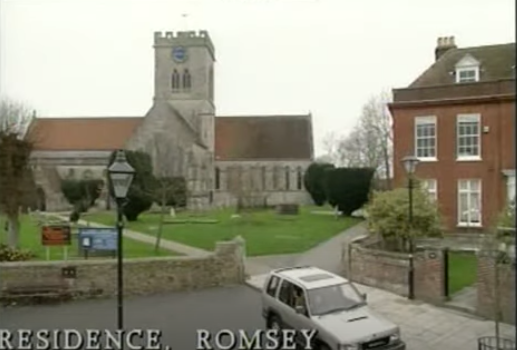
{"x": 184, "y": 78}
{"x": 188, "y": 38}
{"x": 184, "y": 64}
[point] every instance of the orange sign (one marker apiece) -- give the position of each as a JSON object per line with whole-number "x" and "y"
{"x": 56, "y": 235}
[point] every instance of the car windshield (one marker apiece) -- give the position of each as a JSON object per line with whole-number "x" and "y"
{"x": 336, "y": 298}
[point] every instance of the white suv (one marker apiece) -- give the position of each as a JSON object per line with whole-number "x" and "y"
{"x": 303, "y": 298}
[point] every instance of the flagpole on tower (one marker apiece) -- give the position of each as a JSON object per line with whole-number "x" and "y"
{"x": 184, "y": 24}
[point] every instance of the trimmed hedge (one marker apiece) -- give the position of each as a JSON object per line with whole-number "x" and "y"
{"x": 347, "y": 188}
{"x": 313, "y": 181}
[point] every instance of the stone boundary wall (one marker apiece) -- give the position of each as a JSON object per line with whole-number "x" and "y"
{"x": 142, "y": 276}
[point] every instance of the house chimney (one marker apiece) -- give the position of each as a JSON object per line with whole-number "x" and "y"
{"x": 443, "y": 45}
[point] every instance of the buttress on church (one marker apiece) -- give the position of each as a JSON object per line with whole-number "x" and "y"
{"x": 221, "y": 157}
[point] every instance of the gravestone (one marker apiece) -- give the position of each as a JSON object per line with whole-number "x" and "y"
{"x": 288, "y": 209}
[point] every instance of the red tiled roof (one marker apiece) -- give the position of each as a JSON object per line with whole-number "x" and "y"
{"x": 263, "y": 137}
{"x": 88, "y": 134}
{"x": 236, "y": 138}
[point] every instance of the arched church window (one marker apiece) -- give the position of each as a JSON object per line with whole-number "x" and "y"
{"x": 217, "y": 178}
{"x": 287, "y": 178}
{"x": 299, "y": 178}
{"x": 277, "y": 177}
{"x": 187, "y": 83}
{"x": 71, "y": 173}
{"x": 175, "y": 80}
{"x": 264, "y": 178}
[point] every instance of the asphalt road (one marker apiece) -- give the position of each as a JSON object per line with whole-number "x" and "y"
{"x": 178, "y": 315}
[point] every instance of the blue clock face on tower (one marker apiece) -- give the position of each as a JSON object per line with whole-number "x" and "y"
{"x": 179, "y": 54}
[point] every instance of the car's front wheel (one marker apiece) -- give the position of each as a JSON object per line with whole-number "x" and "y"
{"x": 273, "y": 322}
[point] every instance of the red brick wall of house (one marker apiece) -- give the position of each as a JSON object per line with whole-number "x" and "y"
{"x": 365, "y": 263}
{"x": 497, "y": 148}
{"x": 487, "y": 292}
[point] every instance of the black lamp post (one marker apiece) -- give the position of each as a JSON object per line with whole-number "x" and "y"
{"x": 410, "y": 163}
{"x": 121, "y": 175}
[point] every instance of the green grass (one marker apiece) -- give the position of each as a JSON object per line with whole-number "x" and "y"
{"x": 462, "y": 270}
{"x": 30, "y": 238}
{"x": 265, "y": 232}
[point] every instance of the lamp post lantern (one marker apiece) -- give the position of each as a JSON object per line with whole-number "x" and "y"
{"x": 121, "y": 175}
{"x": 410, "y": 164}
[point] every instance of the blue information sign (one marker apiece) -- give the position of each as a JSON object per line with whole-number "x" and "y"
{"x": 98, "y": 238}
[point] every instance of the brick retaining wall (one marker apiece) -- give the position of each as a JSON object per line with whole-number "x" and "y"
{"x": 376, "y": 268}
{"x": 142, "y": 276}
{"x": 390, "y": 271}
{"x": 486, "y": 291}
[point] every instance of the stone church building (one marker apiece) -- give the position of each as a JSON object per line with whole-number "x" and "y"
{"x": 223, "y": 158}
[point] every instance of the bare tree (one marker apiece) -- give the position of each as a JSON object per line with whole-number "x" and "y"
{"x": 168, "y": 164}
{"x": 352, "y": 151}
{"x": 15, "y": 150}
{"x": 331, "y": 147}
{"x": 369, "y": 144}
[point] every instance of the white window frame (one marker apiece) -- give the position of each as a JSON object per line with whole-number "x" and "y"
{"x": 430, "y": 186}
{"x": 469, "y": 191}
{"x": 467, "y": 118}
{"x": 460, "y": 70}
{"x": 426, "y": 120}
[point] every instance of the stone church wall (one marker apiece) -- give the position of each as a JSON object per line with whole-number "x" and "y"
{"x": 269, "y": 182}
{"x": 262, "y": 182}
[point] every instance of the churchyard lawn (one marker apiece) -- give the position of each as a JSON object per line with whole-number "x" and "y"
{"x": 265, "y": 232}
{"x": 30, "y": 238}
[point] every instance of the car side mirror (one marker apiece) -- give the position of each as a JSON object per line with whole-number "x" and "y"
{"x": 299, "y": 309}
{"x": 364, "y": 295}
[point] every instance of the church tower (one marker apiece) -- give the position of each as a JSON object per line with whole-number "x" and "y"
{"x": 184, "y": 77}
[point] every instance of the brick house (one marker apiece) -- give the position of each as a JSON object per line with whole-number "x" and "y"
{"x": 458, "y": 118}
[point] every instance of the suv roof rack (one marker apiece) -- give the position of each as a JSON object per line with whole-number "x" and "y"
{"x": 293, "y": 268}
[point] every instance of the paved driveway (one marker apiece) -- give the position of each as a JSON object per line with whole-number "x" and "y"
{"x": 424, "y": 326}
{"x": 177, "y": 315}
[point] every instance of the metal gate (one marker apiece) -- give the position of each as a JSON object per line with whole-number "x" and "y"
{"x": 495, "y": 343}
{"x": 446, "y": 272}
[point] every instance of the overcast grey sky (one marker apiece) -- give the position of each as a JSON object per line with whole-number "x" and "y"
{"x": 94, "y": 57}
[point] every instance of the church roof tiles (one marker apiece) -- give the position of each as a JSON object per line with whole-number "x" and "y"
{"x": 263, "y": 137}
{"x": 236, "y": 137}
{"x": 84, "y": 134}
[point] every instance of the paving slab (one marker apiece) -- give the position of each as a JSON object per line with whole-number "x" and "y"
{"x": 424, "y": 326}
{"x": 465, "y": 299}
